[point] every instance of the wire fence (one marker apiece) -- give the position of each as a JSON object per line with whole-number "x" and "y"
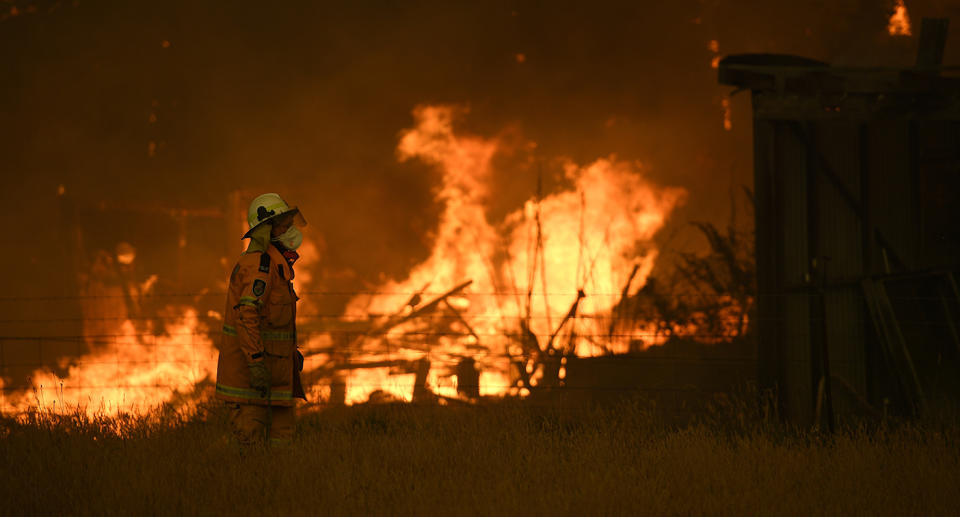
{"x": 167, "y": 362}
{"x": 126, "y": 369}
{"x": 431, "y": 294}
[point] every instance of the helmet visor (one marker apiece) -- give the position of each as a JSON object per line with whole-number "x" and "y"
{"x": 294, "y": 212}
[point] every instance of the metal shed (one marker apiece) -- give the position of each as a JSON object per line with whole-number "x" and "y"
{"x": 857, "y": 183}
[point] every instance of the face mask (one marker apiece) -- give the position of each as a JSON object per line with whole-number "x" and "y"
{"x": 291, "y": 239}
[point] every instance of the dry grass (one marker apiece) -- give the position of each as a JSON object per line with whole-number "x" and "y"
{"x": 500, "y": 459}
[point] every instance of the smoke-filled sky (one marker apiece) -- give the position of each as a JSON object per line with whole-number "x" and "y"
{"x": 182, "y": 102}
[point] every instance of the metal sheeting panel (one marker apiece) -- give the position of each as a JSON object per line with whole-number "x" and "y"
{"x": 938, "y": 161}
{"x": 893, "y": 209}
{"x": 861, "y": 166}
{"x": 769, "y": 301}
{"x": 847, "y": 346}
{"x": 790, "y": 174}
{"x": 840, "y": 236}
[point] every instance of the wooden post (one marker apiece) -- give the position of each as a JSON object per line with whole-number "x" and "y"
{"x": 421, "y": 392}
{"x": 933, "y": 40}
{"x": 468, "y": 378}
{"x": 825, "y": 390}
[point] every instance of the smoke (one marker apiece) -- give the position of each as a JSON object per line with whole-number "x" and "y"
{"x": 180, "y": 103}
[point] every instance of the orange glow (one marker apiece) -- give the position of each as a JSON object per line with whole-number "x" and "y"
{"x": 521, "y": 58}
{"x": 727, "y": 122}
{"x": 525, "y": 271}
{"x": 899, "y": 21}
{"x": 715, "y": 62}
{"x": 133, "y": 373}
{"x": 592, "y": 235}
{"x": 714, "y": 46}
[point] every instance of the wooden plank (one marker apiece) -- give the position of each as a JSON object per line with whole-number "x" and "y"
{"x": 888, "y": 330}
{"x": 394, "y": 321}
{"x": 814, "y": 81}
{"x": 390, "y": 363}
{"x": 933, "y": 41}
{"x": 570, "y": 315}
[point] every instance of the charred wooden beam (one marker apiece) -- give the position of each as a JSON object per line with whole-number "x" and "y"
{"x": 390, "y": 363}
{"x": 393, "y": 322}
{"x": 572, "y": 313}
{"x": 618, "y": 309}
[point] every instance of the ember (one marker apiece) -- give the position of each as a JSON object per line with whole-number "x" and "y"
{"x": 899, "y": 21}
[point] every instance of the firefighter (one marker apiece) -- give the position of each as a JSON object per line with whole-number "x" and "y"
{"x": 258, "y": 371}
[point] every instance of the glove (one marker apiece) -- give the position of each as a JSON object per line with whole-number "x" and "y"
{"x": 260, "y": 377}
{"x": 298, "y": 361}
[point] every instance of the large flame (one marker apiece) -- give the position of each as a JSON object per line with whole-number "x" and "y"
{"x": 525, "y": 271}
{"x": 471, "y": 320}
{"x": 133, "y": 373}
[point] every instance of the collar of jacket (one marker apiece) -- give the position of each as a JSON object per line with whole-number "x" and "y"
{"x": 260, "y": 239}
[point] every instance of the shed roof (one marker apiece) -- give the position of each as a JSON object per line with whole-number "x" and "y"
{"x": 801, "y": 88}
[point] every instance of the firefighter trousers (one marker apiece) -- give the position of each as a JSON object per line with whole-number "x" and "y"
{"x": 251, "y": 424}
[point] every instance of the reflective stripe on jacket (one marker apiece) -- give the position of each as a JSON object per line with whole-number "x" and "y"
{"x": 259, "y": 321}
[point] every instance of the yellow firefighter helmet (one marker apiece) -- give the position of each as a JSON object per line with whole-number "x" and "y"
{"x": 269, "y": 207}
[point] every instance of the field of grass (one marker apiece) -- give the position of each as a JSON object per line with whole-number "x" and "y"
{"x": 503, "y": 458}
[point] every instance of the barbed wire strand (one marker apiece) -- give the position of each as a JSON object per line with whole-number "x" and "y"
{"x": 427, "y": 295}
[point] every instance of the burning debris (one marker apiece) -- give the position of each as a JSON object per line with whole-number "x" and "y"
{"x": 133, "y": 371}
{"x": 513, "y": 297}
{"x": 498, "y": 308}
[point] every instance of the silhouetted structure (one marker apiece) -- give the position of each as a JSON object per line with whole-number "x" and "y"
{"x": 857, "y": 180}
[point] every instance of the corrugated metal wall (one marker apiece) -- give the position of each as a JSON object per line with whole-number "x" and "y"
{"x": 849, "y": 190}
{"x": 841, "y": 239}
{"x": 791, "y": 165}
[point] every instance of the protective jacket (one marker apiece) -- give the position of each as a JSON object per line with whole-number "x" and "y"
{"x": 259, "y": 323}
